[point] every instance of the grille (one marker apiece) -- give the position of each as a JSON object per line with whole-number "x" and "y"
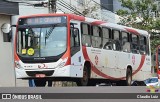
{"x": 33, "y": 73}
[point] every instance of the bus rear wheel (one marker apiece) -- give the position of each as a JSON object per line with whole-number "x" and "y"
{"x": 128, "y": 77}
{"x": 40, "y": 83}
{"x": 85, "y": 79}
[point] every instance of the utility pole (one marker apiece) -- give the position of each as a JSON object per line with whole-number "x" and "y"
{"x": 52, "y": 6}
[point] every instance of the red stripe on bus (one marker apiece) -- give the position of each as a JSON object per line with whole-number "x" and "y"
{"x": 157, "y": 62}
{"x": 140, "y": 65}
{"x": 85, "y": 54}
{"x": 97, "y": 22}
{"x": 16, "y": 57}
{"x": 98, "y": 72}
{"x": 132, "y": 31}
{"x": 75, "y": 17}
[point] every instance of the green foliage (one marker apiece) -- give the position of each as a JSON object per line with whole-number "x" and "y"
{"x": 141, "y": 14}
{"x": 90, "y": 9}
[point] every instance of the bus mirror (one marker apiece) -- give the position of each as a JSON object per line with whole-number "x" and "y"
{"x": 6, "y": 28}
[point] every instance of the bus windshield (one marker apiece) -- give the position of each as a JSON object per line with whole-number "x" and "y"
{"x": 41, "y": 41}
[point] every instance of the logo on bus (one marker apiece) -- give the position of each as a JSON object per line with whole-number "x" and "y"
{"x": 96, "y": 60}
{"x": 133, "y": 59}
{"x": 42, "y": 66}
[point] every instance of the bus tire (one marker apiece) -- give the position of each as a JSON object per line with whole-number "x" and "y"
{"x": 85, "y": 79}
{"x": 128, "y": 77}
{"x": 40, "y": 83}
{"x": 92, "y": 82}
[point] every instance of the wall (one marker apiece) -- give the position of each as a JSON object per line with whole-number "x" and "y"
{"x": 7, "y": 78}
{"x": 8, "y": 8}
{"x": 108, "y": 4}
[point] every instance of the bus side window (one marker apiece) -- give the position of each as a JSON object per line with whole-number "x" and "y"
{"x": 143, "y": 43}
{"x": 107, "y": 44}
{"x": 125, "y": 42}
{"x": 147, "y": 47}
{"x": 85, "y": 30}
{"x": 134, "y": 45}
{"x": 75, "y": 37}
{"x": 116, "y": 42}
{"x": 96, "y": 37}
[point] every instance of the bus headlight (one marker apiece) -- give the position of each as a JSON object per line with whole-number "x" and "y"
{"x": 17, "y": 65}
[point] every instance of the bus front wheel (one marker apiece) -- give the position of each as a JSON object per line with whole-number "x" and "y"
{"x": 85, "y": 79}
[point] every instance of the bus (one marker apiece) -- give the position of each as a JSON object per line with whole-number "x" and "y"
{"x": 156, "y": 62}
{"x": 68, "y": 47}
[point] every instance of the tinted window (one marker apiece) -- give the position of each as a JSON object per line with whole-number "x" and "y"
{"x": 116, "y": 41}
{"x": 135, "y": 45}
{"x": 125, "y": 42}
{"x": 96, "y": 37}
{"x": 86, "y": 39}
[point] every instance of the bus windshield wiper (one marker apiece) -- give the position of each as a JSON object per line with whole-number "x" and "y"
{"x": 51, "y": 29}
{"x": 47, "y": 35}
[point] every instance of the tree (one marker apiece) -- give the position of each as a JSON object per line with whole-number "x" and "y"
{"x": 140, "y": 14}
{"x": 91, "y": 9}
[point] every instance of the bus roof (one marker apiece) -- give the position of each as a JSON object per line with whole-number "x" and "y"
{"x": 95, "y": 22}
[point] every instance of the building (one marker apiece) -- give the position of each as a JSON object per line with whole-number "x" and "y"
{"x": 103, "y": 9}
{"x": 7, "y": 79}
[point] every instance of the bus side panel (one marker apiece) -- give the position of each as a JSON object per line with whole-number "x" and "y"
{"x": 77, "y": 61}
{"x": 123, "y": 62}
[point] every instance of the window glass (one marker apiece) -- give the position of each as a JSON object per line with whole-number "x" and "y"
{"x": 96, "y": 38}
{"x": 74, "y": 37}
{"x": 134, "y": 39}
{"x": 116, "y": 35}
{"x": 96, "y": 42}
{"x": 142, "y": 40}
{"x": 147, "y": 47}
{"x": 96, "y": 31}
{"x": 85, "y": 29}
{"x": 135, "y": 46}
{"x": 143, "y": 47}
{"x": 45, "y": 41}
{"x": 125, "y": 42}
{"x": 107, "y": 44}
{"x": 116, "y": 42}
{"x": 105, "y": 33}
{"x": 86, "y": 39}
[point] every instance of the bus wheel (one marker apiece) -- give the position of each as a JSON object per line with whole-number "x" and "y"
{"x": 40, "y": 83}
{"x": 128, "y": 77}
{"x": 84, "y": 80}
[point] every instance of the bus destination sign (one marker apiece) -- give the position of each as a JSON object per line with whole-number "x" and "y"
{"x": 42, "y": 20}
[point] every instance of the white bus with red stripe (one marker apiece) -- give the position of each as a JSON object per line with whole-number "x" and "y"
{"x": 81, "y": 49}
